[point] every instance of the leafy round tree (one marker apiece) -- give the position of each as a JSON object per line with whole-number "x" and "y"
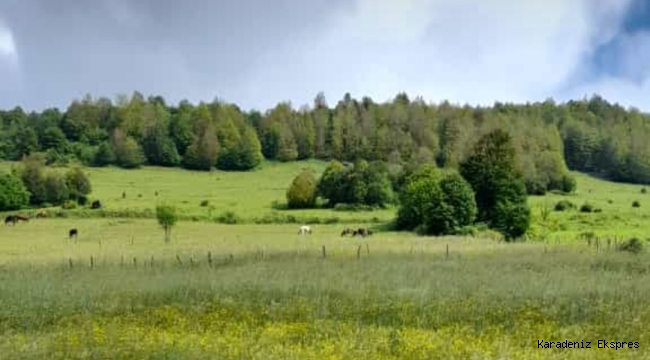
{"x": 78, "y": 183}
{"x": 13, "y": 193}
{"x": 56, "y": 189}
{"x": 512, "y": 219}
{"x": 436, "y": 204}
{"x": 167, "y": 217}
{"x": 491, "y": 171}
{"x": 332, "y": 183}
{"x": 302, "y": 193}
{"x": 104, "y": 155}
{"x": 459, "y": 198}
{"x": 33, "y": 177}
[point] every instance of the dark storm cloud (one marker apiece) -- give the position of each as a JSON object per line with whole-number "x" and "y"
{"x": 197, "y": 49}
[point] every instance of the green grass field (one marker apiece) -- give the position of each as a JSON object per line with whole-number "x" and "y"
{"x": 268, "y": 293}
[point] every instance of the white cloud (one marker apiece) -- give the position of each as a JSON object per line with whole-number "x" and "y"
{"x": 631, "y": 86}
{"x": 462, "y": 50}
{"x": 7, "y": 45}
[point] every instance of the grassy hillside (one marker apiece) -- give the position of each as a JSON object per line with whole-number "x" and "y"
{"x": 617, "y": 219}
{"x": 251, "y": 195}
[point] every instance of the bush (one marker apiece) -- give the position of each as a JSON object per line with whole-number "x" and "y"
{"x": 228, "y": 217}
{"x": 302, "y": 192}
{"x": 568, "y": 184}
{"x": 352, "y": 207}
{"x": 13, "y": 193}
{"x": 56, "y": 189}
{"x": 512, "y": 219}
{"x": 82, "y": 200}
{"x": 564, "y": 205}
{"x": 636, "y": 204}
{"x": 587, "y": 208}
{"x": 69, "y": 205}
{"x": 643, "y": 190}
{"x": 633, "y": 245}
{"x": 167, "y": 217}
{"x": 78, "y": 183}
{"x": 359, "y": 184}
{"x": 434, "y": 204}
{"x": 205, "y": 203}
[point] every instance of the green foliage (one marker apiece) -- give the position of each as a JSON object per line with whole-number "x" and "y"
{"x": 104, "y": 155}
{"x": 564, "y": 205}
{"x": 56, "y": 188}
{"x": 228, "y": 217}
{"x": 203, "y": 153}
{"x": 167, "y": 217}
{"x": 78, "y": 183}
{"x": 633, "y": 246}
{"x": 359, "y": 184}
{"x": 436, "y": 204}
{"x": 302, "y": 192}
{"x": 128, "y": 153}
{"x": 587, "y": 208}
{"x": 159, "y": 148}
{"x": 499, "y": 186}
{"x": 636, "y": 204}
{"x": 512, "y": 219}
{"x": 33, "y": 176}
{"x": 69, "y": 205}
{"x": 13, "y": 193}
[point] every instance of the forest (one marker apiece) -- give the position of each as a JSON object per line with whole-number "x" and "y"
{"x": 588, "y": 135}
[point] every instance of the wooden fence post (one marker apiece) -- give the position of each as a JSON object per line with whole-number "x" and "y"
{"x": 178, "y": 258}
{"x": 92, "y": 262}
{"x": 152, "y": 261}
{"x": 447, "y": 252}
{"x": 359, "y": 252}
{"x": 135, "y": 263}
{"x": 209, "y": 259}
{"x": 367, "y": 249}
{"x": 324, "y": 253}
{"x": 70, "y": 262}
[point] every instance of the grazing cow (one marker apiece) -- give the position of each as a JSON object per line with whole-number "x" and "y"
{"x": 304, "y": 230}
{"x": 11, "y": 219}
{"x": 362, "y": 232}
{"x": 73, "y": 233}
{"x": 346, "y": 231}
{"x": 96, "y": 205}
{"x": 21, "y": 218}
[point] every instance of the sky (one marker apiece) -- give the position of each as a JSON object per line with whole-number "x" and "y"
{"x": 257, "y": 53}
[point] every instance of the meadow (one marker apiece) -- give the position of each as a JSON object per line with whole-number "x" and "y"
{"x": 261, "y": 291}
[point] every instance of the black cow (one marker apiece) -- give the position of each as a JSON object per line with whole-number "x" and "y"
{"x": 11, "y": 219}
{"x": 73, "y": 233}
{"x": 362, "y": 231}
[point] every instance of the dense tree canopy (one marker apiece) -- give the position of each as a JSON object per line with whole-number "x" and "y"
{"x": 498, "y": 184}
{"x": 588, "y": 135}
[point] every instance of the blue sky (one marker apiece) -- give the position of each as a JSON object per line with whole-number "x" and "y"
{"x": 257, "y": 53}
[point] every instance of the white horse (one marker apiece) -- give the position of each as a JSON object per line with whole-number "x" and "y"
{"x": 304, "y": 230}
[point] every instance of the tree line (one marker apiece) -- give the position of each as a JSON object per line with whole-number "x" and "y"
{"x": 32, "y": 184}
{"x": 589, "y": 135}
{"x": 488, "y": 189}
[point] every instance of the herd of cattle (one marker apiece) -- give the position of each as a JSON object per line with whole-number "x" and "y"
{"x": 347, "y": 231}
{"x": 72, "y": 233}
{"x": 13, "y": 219}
